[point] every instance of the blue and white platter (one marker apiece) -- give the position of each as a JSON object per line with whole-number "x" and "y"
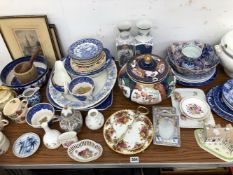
{"x": 8, "y": 78}
{"x": 85, "y": 49}
{"x": 104, "y": 83}
{"x": 26, "y": 145}
{"x": 214, "y": 99}
{"x": 73, "y": 73}
{"x": 227, "y": 91}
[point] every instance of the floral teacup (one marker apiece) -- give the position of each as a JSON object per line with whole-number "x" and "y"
{"x": 68, "y": 138}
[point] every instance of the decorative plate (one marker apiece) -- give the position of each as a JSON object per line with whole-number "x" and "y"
{"x": 104, "y": 83}
{"x": 217, "y": 105}
{"x": 73, "y": 73}
{"x": 26, "y": 145}
{"x": 85, "y": 49}
{"x": 220, "y": 149}
{"x": 227, "y": 91}
{"x": 85, "y": 151}
{"x": 195, "y": 108}
{"x": 186, "y": 122}
{"x": 227, "y": 103}
{"x": 128, "y": 133}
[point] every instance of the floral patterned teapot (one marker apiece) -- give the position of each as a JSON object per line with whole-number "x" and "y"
{"x": 146, "y": 79}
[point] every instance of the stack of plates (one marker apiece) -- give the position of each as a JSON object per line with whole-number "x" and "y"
{"x": 83, "y": 60}
{"x": 220, "y": 99}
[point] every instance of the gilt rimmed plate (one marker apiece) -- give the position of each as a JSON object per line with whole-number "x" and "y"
{"x": 128, "y": 134}
{"x": 104, "y": 83}
{"x": 26, "y": 145}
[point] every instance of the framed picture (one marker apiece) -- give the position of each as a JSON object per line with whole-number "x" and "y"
{"x": 22, "y": 33}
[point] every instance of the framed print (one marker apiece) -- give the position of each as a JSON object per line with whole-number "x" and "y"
{"x": 23, "y": 33}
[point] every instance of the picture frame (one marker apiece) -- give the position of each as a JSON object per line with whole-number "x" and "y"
{"x": 22, "y": 33}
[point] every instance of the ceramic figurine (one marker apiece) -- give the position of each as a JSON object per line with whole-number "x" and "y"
{"x": 4, "y": 143}
{"x": 50, "y": 138}
{"x": 124, "y": 43}
{"x": 32, "y": 95}
{"x": 70, "y": 120}
{"x": 146, "y": 79}
{"x": 94, "y": 119}
{"x": 143, "y": 41}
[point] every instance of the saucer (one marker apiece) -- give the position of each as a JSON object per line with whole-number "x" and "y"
{"x": 26, "y": 145}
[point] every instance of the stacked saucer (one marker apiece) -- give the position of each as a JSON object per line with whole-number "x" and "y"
{"x": 87, "y": 57}
{"x": 220, "y": 99}
{"x": 193, "y": 63}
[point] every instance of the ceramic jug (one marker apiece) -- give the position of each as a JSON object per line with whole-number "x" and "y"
{"x": 32, "y": 95}
{"x": 70, "y": 120}
{"x": 50, "y": 139}
{"x": 94, "y": 119}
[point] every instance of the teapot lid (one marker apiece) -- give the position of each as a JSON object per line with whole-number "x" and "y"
{"x": 227, "y": 42}
{"x": 147, "y": 68}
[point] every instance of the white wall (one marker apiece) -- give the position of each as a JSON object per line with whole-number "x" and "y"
{"x": 173, "y": 20}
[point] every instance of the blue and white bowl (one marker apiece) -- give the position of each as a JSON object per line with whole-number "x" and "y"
{"x": 40, "y": 113}
{"x": 85, "y": 49}
{"x": 8, "y": 78}
{"x": 81, "y": 82}
{"x": 227, "y": 91}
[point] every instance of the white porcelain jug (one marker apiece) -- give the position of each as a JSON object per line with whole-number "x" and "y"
{"x": 60, "y": 76}
{"x": 94, "y": 119}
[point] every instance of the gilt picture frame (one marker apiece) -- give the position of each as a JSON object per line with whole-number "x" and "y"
{"x": 22, "y": 33}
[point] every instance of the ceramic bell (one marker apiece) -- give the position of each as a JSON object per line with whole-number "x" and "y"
{"x": 70, "y": 120}
{"x": 94, "y": 119}
{"x": 50, "y": 138}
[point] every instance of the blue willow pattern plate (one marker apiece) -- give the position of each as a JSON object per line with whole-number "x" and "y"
{"x": 73, "y": 73}
{"x": 26, "y": 145}
{"x": 85, "y": 49}
{"x": 214, "y": 99}
{"x": 227, "y": 91}
{"x": 104, "y": 83}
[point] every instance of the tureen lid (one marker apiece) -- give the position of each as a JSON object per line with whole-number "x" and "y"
{"x": 147, "y": 68}
{"x": 227, "y": 42}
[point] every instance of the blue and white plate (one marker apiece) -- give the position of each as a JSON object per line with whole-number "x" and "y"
{"x": 104, "y": 83}
{"x": 214, "y": 99}
{"x": 8, "y": 78}
{"x": 227, "y": 91}
{"x": 26, "y": 145}
{"x": 85, "y": 49}
{"x": 227, "y": 104}
{"x": 73, "y": 73}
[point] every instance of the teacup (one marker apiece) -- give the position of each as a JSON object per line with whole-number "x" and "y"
{"x": 16, "y": 110}
{"x": 40, "y": 113}
{"x": 4, "y": 143}
{"x": 32, "y": 95}
{"x": 81, "y": 88}
{"x": 3, "y": 122}
{"x": 67, "y": 138}
{"x": 6, "y": 94}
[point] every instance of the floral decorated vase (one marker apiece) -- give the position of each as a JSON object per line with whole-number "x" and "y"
{"x": 146, "y": 79}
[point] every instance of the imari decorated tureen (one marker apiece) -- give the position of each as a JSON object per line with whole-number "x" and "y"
{"x": 146, "y": 79}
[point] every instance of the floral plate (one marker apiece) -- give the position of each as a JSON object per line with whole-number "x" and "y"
{"x": 85, "y": 151}
{"x": 26, "y": 145}
{"x": 127, "y": 132}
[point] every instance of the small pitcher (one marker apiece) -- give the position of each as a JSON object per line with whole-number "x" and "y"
{"x": 3, "y": 122}
{"x": 32, "y": 95}
{"x": 94, "y": 119}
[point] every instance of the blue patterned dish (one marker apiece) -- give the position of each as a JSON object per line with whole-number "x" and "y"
{"x": 70, "y": 70}
{"x": 227, "y": 91}
{"x": 85, "y": 49}
{"x": 227, "y": 104}
{"x": 26, "y": 145}
{"x": 8, "y": 78}
{"x": 217, "y": 105}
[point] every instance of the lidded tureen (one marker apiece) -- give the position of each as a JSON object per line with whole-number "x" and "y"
{"x": 146, "y": 79}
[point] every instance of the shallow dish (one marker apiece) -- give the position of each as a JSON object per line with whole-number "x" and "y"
{"x": 85, "y": 49}
{"x": 85, "y": 151}
{"x": 26, "y": 145}
{"x": 227, "y": 91}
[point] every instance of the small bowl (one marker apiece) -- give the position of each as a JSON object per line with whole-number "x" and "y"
{"x": 81, "y": 88}
{"x": 42, "y": 112}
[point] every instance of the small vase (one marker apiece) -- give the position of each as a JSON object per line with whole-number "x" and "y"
{"x": 94, "y": 119}
{"x": 50, "y": 138}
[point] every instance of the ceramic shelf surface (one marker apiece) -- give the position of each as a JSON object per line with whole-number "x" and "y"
{"x": 214, "y": 98}
{"x": 104, "y": 83}
{"x": 186, "y": 122}
{"x": 128, "y": 133}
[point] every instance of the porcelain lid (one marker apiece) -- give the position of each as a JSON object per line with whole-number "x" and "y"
{"x": 227, "y": 42}
{"x": 147, "y": 68}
